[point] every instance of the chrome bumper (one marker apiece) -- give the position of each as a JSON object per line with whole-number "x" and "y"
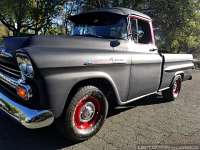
{"x": 30, "y": 118}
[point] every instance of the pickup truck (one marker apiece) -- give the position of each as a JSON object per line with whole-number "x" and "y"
{"x": 110, "y": 59}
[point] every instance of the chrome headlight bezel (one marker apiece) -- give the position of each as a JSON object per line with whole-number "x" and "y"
{"x": 25, "y": 65}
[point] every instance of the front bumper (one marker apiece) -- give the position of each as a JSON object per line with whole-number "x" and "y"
{"x": 30, "y": 118}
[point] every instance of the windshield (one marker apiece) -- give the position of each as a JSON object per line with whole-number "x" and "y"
{"x": 101, "y": 27}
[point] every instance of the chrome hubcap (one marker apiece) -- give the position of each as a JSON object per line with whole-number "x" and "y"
{"x": 87, "y": 112}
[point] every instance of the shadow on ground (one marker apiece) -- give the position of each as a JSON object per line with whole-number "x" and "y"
{"x": 150, "y": 100}
{"x": 16, "y": 137}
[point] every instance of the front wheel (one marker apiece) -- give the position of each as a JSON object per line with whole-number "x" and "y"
{"x": 85, "y": 114}
{"x": 173, "y": 92}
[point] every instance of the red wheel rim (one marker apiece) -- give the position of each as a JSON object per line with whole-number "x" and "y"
{"x": 87, "y": 113}
{"x": 177, "y": 88}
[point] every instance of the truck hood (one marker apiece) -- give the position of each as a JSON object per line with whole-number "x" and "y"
{"x": 14, "y": 43}
{"x": 51, "y": 51}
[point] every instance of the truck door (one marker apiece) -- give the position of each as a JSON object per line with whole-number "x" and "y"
{"x": 146, "y": 61}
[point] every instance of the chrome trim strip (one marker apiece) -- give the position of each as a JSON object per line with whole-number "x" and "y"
{"x": 90, "y": 64}
{"x": 163, "y": 89}
{"x": 10, "y": 81}
{"x": 30, "y": 118}
{"x": 10, "y": 69}
{"x": 9, "y": 72}
{"x": 109, "y": 61}
{"x": 137, "y": 98}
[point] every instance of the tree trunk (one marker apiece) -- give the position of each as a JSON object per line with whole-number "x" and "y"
{"x": 36, "y": 32}
{"x": 16, "y": 32}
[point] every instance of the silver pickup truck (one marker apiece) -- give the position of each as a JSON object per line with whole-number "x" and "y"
{"x": 109, "y": 59}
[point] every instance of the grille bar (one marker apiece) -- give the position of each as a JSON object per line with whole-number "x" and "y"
{"x": 9, "y": 71}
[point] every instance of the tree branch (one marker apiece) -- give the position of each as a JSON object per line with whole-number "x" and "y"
{"x": 6, "y": 23}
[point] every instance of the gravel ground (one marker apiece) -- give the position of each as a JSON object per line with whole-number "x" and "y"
{"x": 152, "y": 120}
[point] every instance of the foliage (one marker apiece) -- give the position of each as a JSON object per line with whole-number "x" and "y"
{"x": 55, "y": 29}
{"x": 21, "y": 16}
{"x": 93, "y": 4}
{"x": 43, "y": 12}
{"x": 179, "y": 24}
{"x": 13, "y": 13}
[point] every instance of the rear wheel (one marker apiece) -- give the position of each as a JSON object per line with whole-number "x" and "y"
{"x": 85, "y": 114}
{"x": 173, "y": 92}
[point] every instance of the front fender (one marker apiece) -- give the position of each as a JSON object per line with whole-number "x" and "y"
{"x": 59, "y": 86}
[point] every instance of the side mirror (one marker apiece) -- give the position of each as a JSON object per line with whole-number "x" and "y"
{"x": 114, "y": 43}
{"x": 155, "y": 49}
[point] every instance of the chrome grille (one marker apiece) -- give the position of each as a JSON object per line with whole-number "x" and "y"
{"x": 10, "y": 71}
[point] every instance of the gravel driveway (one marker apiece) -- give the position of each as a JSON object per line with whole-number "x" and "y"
{"x": 152, "y": 120}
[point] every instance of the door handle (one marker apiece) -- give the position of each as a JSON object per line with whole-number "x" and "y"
{"x": 153, "y": 50}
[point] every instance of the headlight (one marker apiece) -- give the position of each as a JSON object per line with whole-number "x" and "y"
{"x": 25, "y": 65}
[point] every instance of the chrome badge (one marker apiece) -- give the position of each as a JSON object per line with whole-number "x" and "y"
{"x": 3, "y": 53}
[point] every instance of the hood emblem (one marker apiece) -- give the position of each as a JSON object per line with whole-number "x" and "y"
{"x": 3, "y": 53}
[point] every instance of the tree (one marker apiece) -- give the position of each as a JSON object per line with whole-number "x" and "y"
{"x": 187, "y": 37}
{"x": 21, "y": 16}
{"x": 132, "y": 4}
{"x": 95, "y": 4}
{"x": 178, "y": 22}
{"x": 13, "y": 14}
{"x": 42, "y": 14}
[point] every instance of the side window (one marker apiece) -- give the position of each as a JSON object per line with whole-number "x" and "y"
{"x": 140, "y": 31}
{"x": 144, "y": 32}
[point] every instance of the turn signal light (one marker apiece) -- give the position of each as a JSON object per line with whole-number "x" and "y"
{"x": 22, "y": 92}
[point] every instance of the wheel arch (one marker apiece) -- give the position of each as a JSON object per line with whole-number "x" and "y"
{"x": 178, "y": 73}
{"x": 104, "y": 83}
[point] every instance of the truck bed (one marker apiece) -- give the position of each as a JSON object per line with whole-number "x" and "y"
{"x": 173, "y": 64}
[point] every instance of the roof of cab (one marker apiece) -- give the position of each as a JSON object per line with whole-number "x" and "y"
{"x": 119, "y": 11}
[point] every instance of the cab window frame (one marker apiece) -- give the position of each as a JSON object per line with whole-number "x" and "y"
{"x": 142, "y": 19}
